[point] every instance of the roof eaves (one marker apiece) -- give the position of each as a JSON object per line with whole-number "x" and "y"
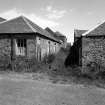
{"x": 52, "y": 37}
{"x": 44, "y": 33}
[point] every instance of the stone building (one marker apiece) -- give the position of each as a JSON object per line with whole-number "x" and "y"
{"x": 93, "y": 46}
{"x": 20, "y": 37}
{"x": 89, "y": 47}
{"x": 62, "y": 38}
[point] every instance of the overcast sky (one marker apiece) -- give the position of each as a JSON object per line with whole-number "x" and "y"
{"x": 60, "y": 15}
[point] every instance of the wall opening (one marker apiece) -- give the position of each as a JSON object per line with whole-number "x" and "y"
{"x": 21, "y": 47}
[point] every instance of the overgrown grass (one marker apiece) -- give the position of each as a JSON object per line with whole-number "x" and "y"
{"x": 54, "y": 68}
{"x": 57, "y": 72}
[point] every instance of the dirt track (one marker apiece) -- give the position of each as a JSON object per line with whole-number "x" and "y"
{"x": 19, "y": 91}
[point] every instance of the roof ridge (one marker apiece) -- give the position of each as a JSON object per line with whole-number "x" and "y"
{"x": 30, "y": 21}
{"x": 93, "y": 28}
{"x": 24, "y": 18}
{"x": 40, "y": 28}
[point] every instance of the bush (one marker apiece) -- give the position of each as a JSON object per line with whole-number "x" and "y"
{"x": 49, "y": 59}
{"x": 93, "y": 70}
{"x": 5, "y": 62}
{"x": 21, "y": 64}
{"x": 74, "y": 71}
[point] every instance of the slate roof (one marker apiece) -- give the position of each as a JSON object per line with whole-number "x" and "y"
{"x": 78, "y": 33}
{"x": 52, "y": 33}
{"x": 60, "y": 36}
{"x": 22, "y": 24}
{"x": 2, "y": 19}
{"x": 57, "y": 33}
{"x": 49, "y": 30}
{"x": 98, "y": 30}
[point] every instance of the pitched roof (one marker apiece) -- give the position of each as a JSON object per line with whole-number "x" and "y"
{"x": 23, "y": 25}
{"x": 2, "y": 19}
{"x": 78, "y": 33}
{"x": 59, "y": 34}
{"x": 16, "y": 25}
{"x": 53, "y": 34}
{"x": 98, "y": 30}
{"x": 39, "y": 29}
{"x": 50, "y": 31}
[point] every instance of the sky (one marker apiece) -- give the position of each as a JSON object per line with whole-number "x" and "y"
{"x": 59, "y": 15}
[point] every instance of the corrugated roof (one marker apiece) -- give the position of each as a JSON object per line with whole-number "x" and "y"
{"x": 78, "y": 33}
{"x": 98, "y": 30}
{"x": 22, "y": 24}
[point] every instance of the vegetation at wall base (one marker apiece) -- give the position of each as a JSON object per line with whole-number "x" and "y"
{"x": 53, "y": 67}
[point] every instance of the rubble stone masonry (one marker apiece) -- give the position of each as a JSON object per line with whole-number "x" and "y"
{"x": 93, "y": 50}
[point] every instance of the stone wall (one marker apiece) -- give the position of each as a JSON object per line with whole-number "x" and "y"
{"x": 5, "y": 47}
{"x": 93, "y": 51}
{"x": 37, "y": 47}
{"x": 52, "y": 47}
{"x": 57, "y": 47}
{"x": 45, "y": 47}
{"x": 42, "y": 48}
{"x": 5, "y": 51}
{"x": 31, "y": 48}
